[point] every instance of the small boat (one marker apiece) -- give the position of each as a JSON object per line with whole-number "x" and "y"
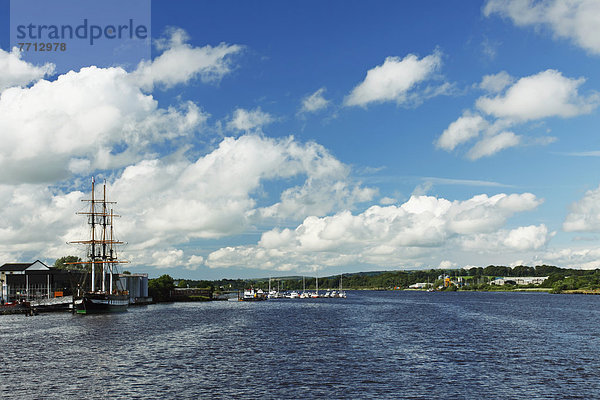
{"x": 294, "y": 295}
{"x": 253, "y": 295}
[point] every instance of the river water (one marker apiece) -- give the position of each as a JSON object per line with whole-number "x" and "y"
{"x": 414, "y": 345}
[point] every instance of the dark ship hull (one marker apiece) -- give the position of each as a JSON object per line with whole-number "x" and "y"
{"x": 99, "y": 303}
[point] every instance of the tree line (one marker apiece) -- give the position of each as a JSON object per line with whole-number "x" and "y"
{"x": 475, "y": 278}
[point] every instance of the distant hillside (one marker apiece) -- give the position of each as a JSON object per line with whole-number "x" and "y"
{"x": 559, "y": 278}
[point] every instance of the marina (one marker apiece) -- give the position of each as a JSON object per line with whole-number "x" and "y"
{"x": 272, "y": 294}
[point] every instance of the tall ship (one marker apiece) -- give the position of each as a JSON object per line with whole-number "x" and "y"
{"x": 102, "y": 293}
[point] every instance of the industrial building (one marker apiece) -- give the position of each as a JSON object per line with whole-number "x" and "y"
{"x": 137, "y": 286}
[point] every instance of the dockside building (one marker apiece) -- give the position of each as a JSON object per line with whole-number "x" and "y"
{"x": 30, "y": 281}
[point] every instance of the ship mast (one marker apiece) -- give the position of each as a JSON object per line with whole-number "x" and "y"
{"x": 93, "y": 242}
{"x": 111, "y": 257}
{"x": 104, "y": 238}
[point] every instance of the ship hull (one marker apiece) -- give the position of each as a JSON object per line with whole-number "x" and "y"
{"x": 100, "y": 303}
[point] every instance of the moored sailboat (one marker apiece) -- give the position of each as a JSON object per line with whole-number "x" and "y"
{"x": 341, "y": 293}
{"x": 315, "y": 295}
{"x": 104, "y": 296}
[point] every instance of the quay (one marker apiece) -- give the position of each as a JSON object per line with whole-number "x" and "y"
{"x": 29, "y": 288}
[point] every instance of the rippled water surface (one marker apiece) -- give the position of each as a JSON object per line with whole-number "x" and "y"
{"x": 371, "y": 345}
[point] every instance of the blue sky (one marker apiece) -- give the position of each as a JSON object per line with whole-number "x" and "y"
{"x": 276, "y": 138}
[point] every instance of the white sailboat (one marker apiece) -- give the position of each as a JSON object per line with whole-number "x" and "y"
{"x": 274, "y": 294}
{"x": 315, "y": 295}
{"x": 341, "y": 293}
{"x": 304, "y": 294}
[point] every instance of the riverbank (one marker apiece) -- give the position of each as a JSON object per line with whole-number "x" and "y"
{"x": 580, "y": 291}
{"x": 493, "y": 289}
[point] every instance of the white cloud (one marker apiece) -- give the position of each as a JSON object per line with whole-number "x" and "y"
{"x": 55, "y": 128}
{"x": 592, "y": 153}
{"x": 489, "y": 48}
{"x": 521, "y": 239}
{"x": 314, "y": 102}
{"x": 579, "y": 258}
{"x": 194, "y": 262}
{"x": 394, "y": 80}
{"x": 216, "y": 195}
{"x": 249, "y": 120}
{"x": 446, "y": 264}
{"x": 422, "y": 188}
{"x": 532, "y": 98}
{"x": 496, "y": 83}
{"x": 386, "y": 201}
{"x": 584, "y": 215}
{"x": 16, "y": 72}
{"x": 467, "y": 127}
{"x": 527, "y": 237}
{"x": 169, "y": 258}
{"x": 386, "y": 235}
{"x": 490, "y": 145}
{"x": 464, "y": 182}
{"x": 98, "y": 118}
{"x": 180, "y": 62}
{"x": 547, "y": 94}
{"x": 34, "y": 219}
{"x": 576, "y": 20}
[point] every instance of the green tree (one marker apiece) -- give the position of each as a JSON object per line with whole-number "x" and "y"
{"x": 522, "y": 270}
{"x": 497, "y": 270}
{"x": 160, "y": 288}
{"x": 62, "y": 263}
{"x": 546, "y": 270}
{"x": 182, "y": 284}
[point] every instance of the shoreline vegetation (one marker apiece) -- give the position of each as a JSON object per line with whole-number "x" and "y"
{"x": 559, "y": 280}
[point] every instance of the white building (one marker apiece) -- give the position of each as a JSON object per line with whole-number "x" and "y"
{"x": 519, "y": 280}
{"x": 421, "y": 285}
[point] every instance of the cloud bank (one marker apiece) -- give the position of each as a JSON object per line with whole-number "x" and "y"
{"x": 576, "y": 20}
{"x": 391, "y": 235}
{"x": 511, "y": 103}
